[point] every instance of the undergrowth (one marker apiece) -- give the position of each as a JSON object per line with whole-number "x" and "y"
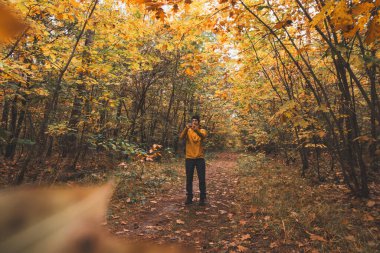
{"x": 290, "y": 209}
{"x": 136, "y": 181}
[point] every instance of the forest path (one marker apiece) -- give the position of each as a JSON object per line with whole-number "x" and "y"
{"x": 216, "y": 227}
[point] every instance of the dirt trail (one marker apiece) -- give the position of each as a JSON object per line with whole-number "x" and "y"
{"x": 211, "y": 228}
{"x": 270, "y": 209}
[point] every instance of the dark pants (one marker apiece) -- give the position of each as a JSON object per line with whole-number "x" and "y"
{"x": 200, "y": 164}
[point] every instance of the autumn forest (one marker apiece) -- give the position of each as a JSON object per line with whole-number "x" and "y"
{"x": 288, "y": 92}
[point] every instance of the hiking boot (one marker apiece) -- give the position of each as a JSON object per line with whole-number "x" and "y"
{"x": 188, "y": 201}
{"x": 202, "y": 201}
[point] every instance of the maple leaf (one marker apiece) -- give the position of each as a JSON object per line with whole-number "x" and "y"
{"x": 326, "y": 10}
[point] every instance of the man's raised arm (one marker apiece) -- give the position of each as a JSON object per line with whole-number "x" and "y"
{"x": 184, "y": 133}
{"x": 201, "y": 133}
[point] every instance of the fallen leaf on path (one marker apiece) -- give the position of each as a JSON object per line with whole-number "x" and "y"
{"x": 300, "y": 244}
{"x": 368, "y": 217}
{"x": 312, "y": 216}
{"x": 314, "y": 237}
{"x": 243, "y": 222}
{"x": 371, "y": 203}
{"x": 350, "y": 238}
{"x": 372, "y": 243}
{"x": 242, "y": 248}
{"x": 222, "y": 211}
{"x": 273, "y": 245}
{"x": 245, "y": 237}
{"x": 232, "y": 244}
{"x": 253, "y": 210}
{"x": 180, "y": 222}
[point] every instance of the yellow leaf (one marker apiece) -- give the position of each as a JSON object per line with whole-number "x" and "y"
{"x": 74, "y": 3}
{"x": 341, "y": 17}
{"x": 189, "y": 72}
{"x": 41, "y": 92}
{"x": 362, "y": 8}
{"x": 135, "y": 1}
{"x": 373, "y": 32}
{"x": 326, "y": 10}
{"x": 11, "y": 24}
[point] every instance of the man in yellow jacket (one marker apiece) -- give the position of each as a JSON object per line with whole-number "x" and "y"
{"x": 195, "y": 136}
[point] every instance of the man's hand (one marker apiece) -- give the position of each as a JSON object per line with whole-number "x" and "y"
{"x": 196, "y": 130}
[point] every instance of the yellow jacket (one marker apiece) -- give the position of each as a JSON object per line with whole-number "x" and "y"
{"x": 194, "y": 141}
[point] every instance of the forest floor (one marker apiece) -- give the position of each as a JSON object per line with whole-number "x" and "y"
{"x": 255, "y": 204}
